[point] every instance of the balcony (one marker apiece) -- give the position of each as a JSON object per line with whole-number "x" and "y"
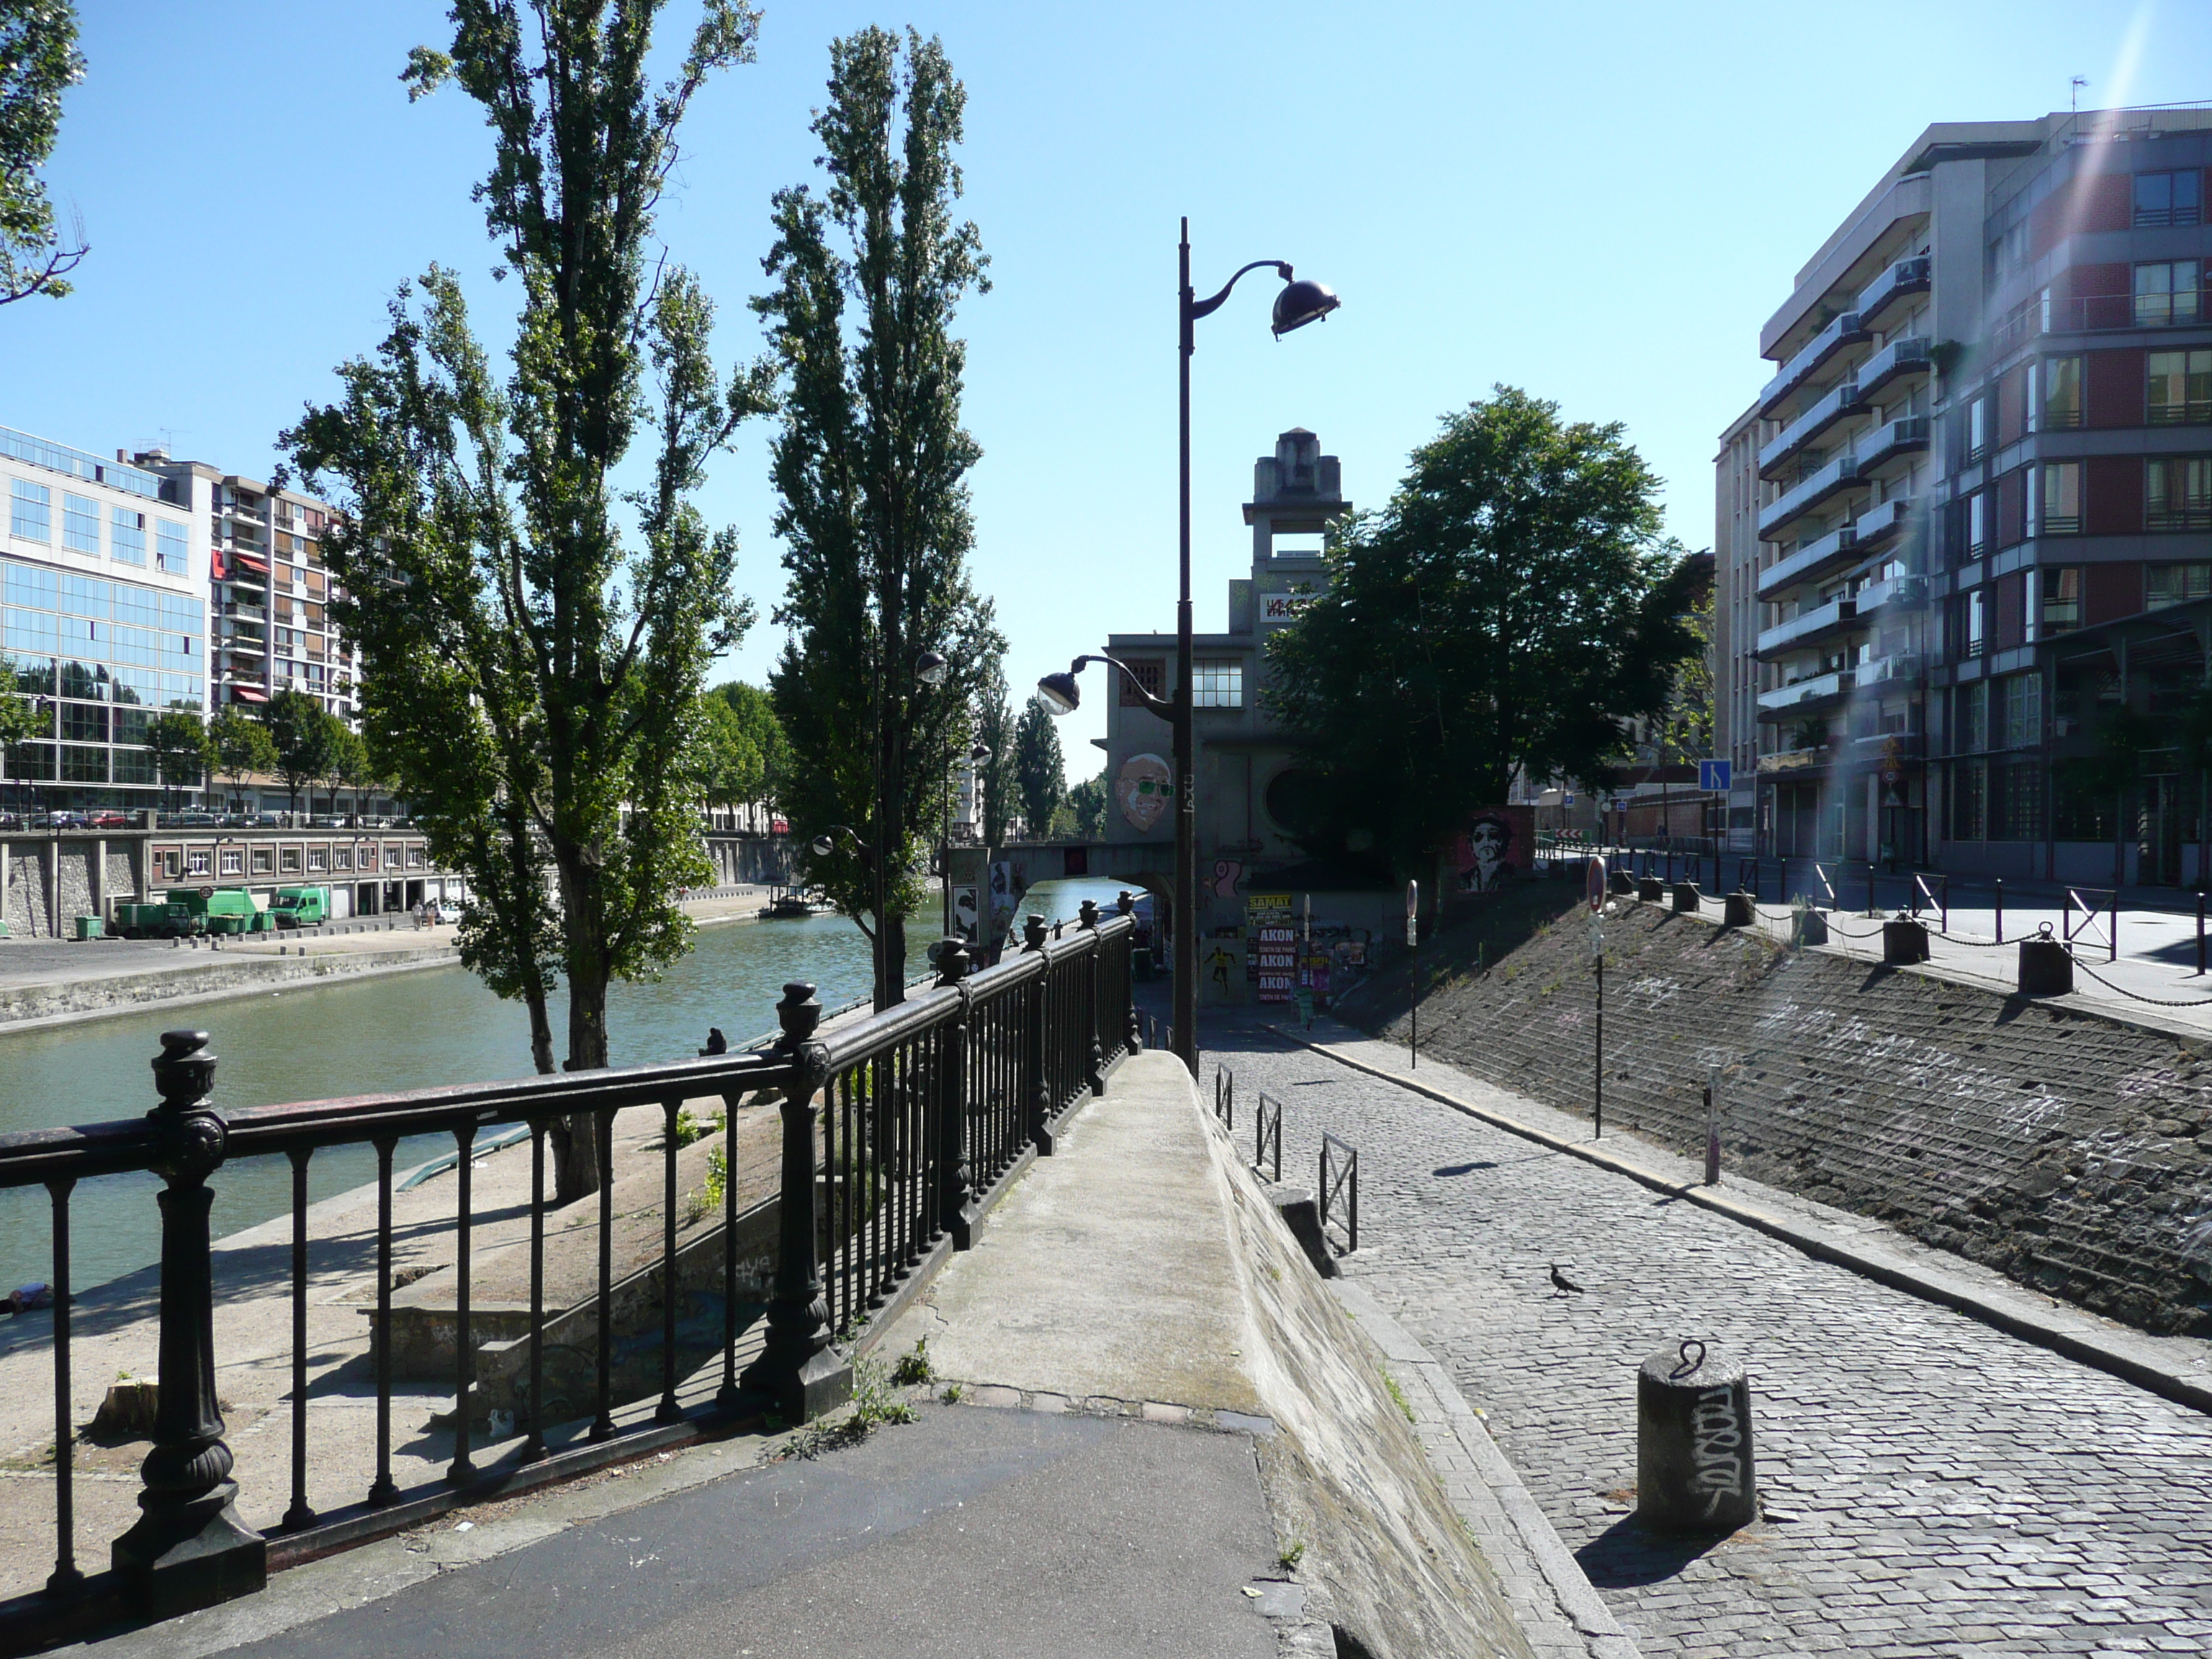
{"x": 1840, "y": 334}
{"x": 1806, "y": 626}
{"x": 1807, "y": 695}
{"x": 1838, "y": 475}
{"x": 1902, "y": 667}
{"x": 1844, "y": 400}
{"x": 1886, "y": 522}
{"x": 1794, "y": 760}
{"x": 1906, "y": 356}
{"x": 1906, "y": 277}
{"x": 1836, "y": 548}
{"x": 1905, "y": 592}
{"x": 1891, "y": 441}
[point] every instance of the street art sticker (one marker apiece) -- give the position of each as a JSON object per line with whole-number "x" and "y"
{"x": 1143, "y": 790}
{"x": 1498, "y": 843}
{"x": 1227, "y": 872}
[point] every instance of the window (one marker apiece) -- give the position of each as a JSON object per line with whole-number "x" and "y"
{"x": 84, "y": 722}
{"x": 1974, "y": 625}
{"x": 319, "y": 859}
{"x": 1978, "y": 428}
{"x": 30, "y": 511}
{"x": 233, "y": 860}
{"x": 172, "y": 552}
{"x": 291, "y": 860}
{"x": 1966, "y": 778}
{"x": 2180, "y": 388}
{"x": 2175, "y": 584}
{"x": 2022, "y": 696}
{"x": 1977, "y": 524}
{"x": 169, "y": 863}
{"x": 1972, "y": 733}
{"x": 415, "y": 858}
{"x": 197, "y": 862}
{"x": 341, "y": 858}
{"x": 1151, "y": 673}
{"x": 2166, "y": 293}
{"x": 126, "y": 536}
{"x": 264, "y": 861}
{"x": 1217, "y": 684}
{"x": 2017, "y": 811}
{"x": 2062, "y": 498}
{"x": 2062, "y": 393}
{"x": 81, "y": 525}
{"x": 2167, "y": 198}
{"x": 2178, "y": 494}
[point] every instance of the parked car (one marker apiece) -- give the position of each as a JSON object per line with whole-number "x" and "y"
{"x": 109, "y": 819}
{"x": 448, "y": 911}
{"x": 327, "y": 824}
{"x": 266, "y": 820}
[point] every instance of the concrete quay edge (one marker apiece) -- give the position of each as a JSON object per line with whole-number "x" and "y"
{"x": 2025, "y": 1323}
{"x": 117, "y": 993}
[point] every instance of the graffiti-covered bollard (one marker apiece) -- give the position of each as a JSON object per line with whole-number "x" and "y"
{"x": 1693, "y": 1457}
{"x": 1904, "y": 941}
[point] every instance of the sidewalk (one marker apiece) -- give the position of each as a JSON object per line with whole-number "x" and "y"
{"x": 1182, "y": 1447}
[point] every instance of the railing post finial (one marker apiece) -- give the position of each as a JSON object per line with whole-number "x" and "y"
{"x": 1033, "y": 929}
{"x": 953, "y": 962}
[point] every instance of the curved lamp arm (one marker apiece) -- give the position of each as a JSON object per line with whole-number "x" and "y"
{"x": 1195, "y": 309}
{"x": 1061, "y": 692}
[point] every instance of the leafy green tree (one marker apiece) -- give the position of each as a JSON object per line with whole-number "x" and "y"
{"x": 747, "y": 754}
{"x": 995, "y": 785}
{"x": 1086, "y": 808}
{"x": 1039, "y": 771}
{"x": 39, "y": 61}
{"x": 242, "y": 747}
{"x": 536, "y": 605}
{"x": 1508, "y": 614}
{"x": 184, "y": 753}
{"x": 348, "y": 757}
{"x": 356, "y": 768}
{"x": 19, "y": 714}
{"x": 871, "y": 464}
{"x": 304, "y": 734}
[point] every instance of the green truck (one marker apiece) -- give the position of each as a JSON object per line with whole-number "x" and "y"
{"x": 150, "y": 919}
{"x": 220, "y": 910}
{"x": 300, "y": 906}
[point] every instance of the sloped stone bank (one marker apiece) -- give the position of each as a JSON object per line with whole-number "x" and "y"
{"x": 2070, "y": 1152}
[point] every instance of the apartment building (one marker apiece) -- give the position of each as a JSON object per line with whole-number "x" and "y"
{"x": 269, "y": 593}
{"x": 103, "y": 621}
{"x": 1980, "y": 489}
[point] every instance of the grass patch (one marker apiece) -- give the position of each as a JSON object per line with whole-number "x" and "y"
{"x": 913, "y": 1368}
{"x": 1293, "y": 1553}
{"x": 875, "y": 1405}
{"x": 1398, "y": 1395}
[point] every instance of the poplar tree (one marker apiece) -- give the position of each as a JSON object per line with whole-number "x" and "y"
{"x": 535, "y": 633}
{"x": 871, "y": 466}
{"x": 1039, "y": 768}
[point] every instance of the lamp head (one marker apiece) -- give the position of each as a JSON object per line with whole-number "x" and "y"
{"x": 820, "y": 847}
{"x": 1061, "y": 694}
{"x": 1302, "y": 303}
{"x": 930, "y": 668}
{"x": 980, "y": 754}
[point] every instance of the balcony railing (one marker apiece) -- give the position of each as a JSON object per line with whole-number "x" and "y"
{"x": 1839, "y": 547}
{"x": 1806, "y": 626}
{"x": 1843, "y": 332}
{"x": 1823, "y": 413}
{"x": 1890, "y": 441}
{"x": 1906, "y": 357}
{"x": 1840, "y": 474}
{"x": 2097, "y": 314}
{"x": 1905, "y": 592}
{"x": 1891, "y": 519}
{"x": 1906, "y": 277}
{"x": 896, "y": 1133}
{"x": 1813, "y": 692}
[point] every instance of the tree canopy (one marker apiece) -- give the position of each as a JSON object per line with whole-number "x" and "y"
{"x": 242, "y": 746}
{"x": 1507, "y": 615}
{"x": 305, "y": 737}
{"x": 39, "y": 61}
{"x": 871, "y": 466}
{"x": 1039, "y": 771}
{"x": 184, "y": 753}
{"x": 744, "y": 756}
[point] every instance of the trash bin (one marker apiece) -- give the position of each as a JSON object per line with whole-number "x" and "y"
{"x": 1694, "y": 1469}
{"x": 90, "y": 928}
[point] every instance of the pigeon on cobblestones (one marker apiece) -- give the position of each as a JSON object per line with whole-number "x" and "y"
{"x": 1561, "y": 1284}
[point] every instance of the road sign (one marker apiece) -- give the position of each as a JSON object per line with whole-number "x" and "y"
{"x": 207, "y": 892}
{"x": 1594, "y": 867}
{"x": 1713, "y": 775}
{"x": 1412, "y": 913}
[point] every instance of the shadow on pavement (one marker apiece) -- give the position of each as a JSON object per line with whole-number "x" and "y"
{"x": 1629, "y": 1554}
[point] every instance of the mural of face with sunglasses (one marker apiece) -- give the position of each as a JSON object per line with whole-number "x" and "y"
{"x": 1144, "y": 789}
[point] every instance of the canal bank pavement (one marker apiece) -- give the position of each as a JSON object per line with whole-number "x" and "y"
{"x": 1932, "y": 1485}
{"x": 1150, "y": 1431}
{"x": 47, "y": 981}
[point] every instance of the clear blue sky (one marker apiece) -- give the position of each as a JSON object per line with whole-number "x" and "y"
{"x": 1600, "y": 202}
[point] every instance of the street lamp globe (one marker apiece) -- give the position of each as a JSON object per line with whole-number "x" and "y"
{"x": 978, "y": 755}
{"x": 930, "y": 668}
{"x": 1061, "y": 693}
{"x": 820, "y": 847}
{"x": 1302, "y": 303}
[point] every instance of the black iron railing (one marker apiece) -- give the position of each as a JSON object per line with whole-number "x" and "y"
{"x": 1267, "y": 1134}
{"x": 1339, "y": 1189}
{"x": 897, "y": 1132}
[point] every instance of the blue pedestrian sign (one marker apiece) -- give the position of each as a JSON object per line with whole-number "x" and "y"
{"x": 1713, "y": 777}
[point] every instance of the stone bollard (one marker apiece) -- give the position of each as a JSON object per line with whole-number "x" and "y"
{"x": 1617, "y": 880}
{"x": 1694, "y": 1469}
{"x": 1686, "y": 898}
{"x": 1739, "y": 909}
{"x": 2046, "y": 967}
{"x": 1904, "y": 941}
{"x": 1812, "y": 927}
{"x": 1650, "y": 890}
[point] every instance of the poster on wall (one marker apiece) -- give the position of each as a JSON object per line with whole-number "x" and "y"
{"x": 1143, "y": 790}
{"x": 963, "y": 912}
{"x": 1271, "y": 943}
{"x": 1498, "y": 843}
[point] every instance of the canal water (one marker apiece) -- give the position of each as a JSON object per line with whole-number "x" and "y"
{"x": 410, "y": 1030}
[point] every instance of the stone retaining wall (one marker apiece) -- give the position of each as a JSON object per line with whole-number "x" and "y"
{"x": 2071, "y": 1152}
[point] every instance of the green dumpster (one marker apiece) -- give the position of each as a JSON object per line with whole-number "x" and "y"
{"x": 90, "y": 928}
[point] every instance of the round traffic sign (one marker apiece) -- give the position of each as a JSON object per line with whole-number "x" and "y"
{"x": 207, "y": 892}
{"x": 1593, "y": 873}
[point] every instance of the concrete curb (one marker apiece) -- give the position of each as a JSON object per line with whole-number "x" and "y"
{"x": 1497, "y": 1508}
{"x": 2146, "y": 1373}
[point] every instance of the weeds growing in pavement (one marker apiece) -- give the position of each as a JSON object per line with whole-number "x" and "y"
{"x": 913, "y": 1368}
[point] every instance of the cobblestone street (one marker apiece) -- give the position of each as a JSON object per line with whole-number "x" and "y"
{"x": 1934, "y": 1487}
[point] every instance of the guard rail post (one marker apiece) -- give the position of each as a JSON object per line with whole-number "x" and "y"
{"x": 2001, "y": 910}
{"x": 1040, "y": 1112}
{"x": 1093, "y": 969}
{"x": 955, "y": 1201}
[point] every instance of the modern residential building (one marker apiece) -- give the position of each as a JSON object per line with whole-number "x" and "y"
{"x": 1980, "y": 488}
{"x": 103, "y": 619}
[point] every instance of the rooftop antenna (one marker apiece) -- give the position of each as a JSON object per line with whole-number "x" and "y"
{"x": 2074, "y": 94}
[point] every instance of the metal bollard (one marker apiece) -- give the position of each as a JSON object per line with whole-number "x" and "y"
{"x": 2046, "y": 967}
{"x": 1650, "y": 890}
{"x": 1686, "y": 898}
{"x": 1904, "y": 940}
{"x": 1738, "y": 909}
{"x": 1694, "y": 1468}
{"x": 1617, "y": 880}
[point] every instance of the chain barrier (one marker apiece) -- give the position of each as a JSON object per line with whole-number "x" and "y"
{"x": 2137, "y": 996}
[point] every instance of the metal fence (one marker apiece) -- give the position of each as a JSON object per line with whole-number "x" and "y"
{"x": 897, "y": 1131}
{"x": 1339, "y": 1189}
{"x": 1267, "y": 1134}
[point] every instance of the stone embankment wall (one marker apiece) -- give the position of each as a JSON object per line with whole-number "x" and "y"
{"x": 751, "y": 861}
{"x": 2071, "y": 1152}
{"x": 25, "y": 890}
{"x": 211, "y": 975}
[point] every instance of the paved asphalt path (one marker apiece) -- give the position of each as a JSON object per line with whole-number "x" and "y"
{"x": 1933, "y": 1487}
{"x": 968, "y": 1534}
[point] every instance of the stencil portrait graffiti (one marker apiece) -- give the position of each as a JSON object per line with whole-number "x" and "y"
{"x": 1143, "y": 790}
{"x": 1496, "y": 844}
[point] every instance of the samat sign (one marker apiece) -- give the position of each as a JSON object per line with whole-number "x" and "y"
{"x": 1276, "y": 609}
